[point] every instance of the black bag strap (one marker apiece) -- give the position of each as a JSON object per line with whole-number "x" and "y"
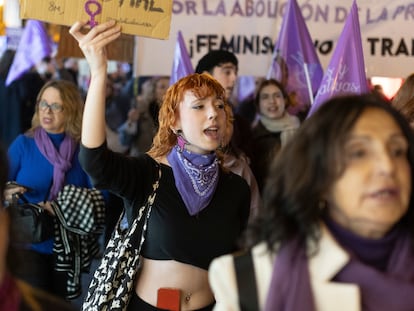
{"x": 139, "y": 223}
{"x": 246, "y": 281}
{"x": 25, "y": 200}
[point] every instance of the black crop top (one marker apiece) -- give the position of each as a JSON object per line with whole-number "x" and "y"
{"x": 173, "y": 234}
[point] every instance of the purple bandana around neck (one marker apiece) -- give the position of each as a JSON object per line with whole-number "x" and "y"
{"x": 196, "y": 177}
{"x": 61, "y": 160}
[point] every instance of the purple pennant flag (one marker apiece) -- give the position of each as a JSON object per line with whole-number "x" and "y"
{"x": 246, "y": 85}
{"x": 346, "y": 71}
{"x": 34, "y": 45}
{"x": 295, "y": 62}
{"x": 182, "y": 63}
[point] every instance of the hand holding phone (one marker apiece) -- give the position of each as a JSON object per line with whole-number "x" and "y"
{"x": 13, "y": 188}
{"x": 13, "y": 184}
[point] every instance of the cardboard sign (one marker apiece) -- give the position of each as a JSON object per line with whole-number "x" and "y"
{"x": 122, "y": 49}
{"x": 148, "y": 18}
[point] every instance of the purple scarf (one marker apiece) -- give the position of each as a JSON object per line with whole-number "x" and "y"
{"x": 290, "y": 285}
{"x": 61, "y": 160}
{"x": 196, "y": 177}
{"x": 290, "y": 288}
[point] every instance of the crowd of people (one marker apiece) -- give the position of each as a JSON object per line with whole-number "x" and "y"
{"x": 269, "y": 212}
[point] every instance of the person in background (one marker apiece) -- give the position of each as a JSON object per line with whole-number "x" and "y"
{"x": 404, "y": 93}
{"x": 134, "y": 134}
{"x": 45, "y": 159}
{"x": 139, "y": 130}
{"x": 71, "y": 67}
{"x": 247, "y": 107}
{"x": 15, "y": 294}
{"x": 17, "y": 99}
{"x": 335, "y": 232}
{"x": 47, "y": 68}
{"x": 237, "y": 162}
{"x": 407, "y": 110}
{"x": 120, "y": 73}
{"x": 403, "y": 100}
{"x": 378, "y": 90}
{"x": 275, "y": 127}
{"x": 116, "y": 112}
{"x": 193, "y": 219}
{"x": 223, "y": 66}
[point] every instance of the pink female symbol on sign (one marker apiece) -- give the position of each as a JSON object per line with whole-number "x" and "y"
{"x": 93, "y": 8}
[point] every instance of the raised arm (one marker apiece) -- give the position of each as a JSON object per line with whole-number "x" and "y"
{"x": 93, "y": 45}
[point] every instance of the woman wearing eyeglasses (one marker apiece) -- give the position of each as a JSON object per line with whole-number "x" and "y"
{"x": 45, "y": 159}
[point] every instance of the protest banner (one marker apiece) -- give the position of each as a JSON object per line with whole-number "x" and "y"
{"x": 250, "y": 29}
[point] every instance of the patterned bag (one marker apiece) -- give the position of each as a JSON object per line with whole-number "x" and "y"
{"x": 113, "y": 281}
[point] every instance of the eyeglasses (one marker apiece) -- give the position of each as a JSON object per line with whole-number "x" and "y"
{"x": 43, "y": 105}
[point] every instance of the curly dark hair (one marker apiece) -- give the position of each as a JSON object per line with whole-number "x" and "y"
{"x": 215, "y": 58}
{"x": 305, "y": 170}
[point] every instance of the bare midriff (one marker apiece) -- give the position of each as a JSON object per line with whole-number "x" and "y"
{"x": 190, "y": 280}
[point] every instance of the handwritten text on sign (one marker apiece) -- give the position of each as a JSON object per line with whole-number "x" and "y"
{"x": 148, "y": 18}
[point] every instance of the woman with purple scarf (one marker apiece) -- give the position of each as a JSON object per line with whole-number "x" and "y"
{"x": 44, "y": 159}
{"x": 336, "y": 230}
{"x": 200, "y": 209}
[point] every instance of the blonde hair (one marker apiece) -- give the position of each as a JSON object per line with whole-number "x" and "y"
{"x": 72, "y": 107}
{"x": 201, "y": 85}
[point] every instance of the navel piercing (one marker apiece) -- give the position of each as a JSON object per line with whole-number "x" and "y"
{"x": 187, "y": 297}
